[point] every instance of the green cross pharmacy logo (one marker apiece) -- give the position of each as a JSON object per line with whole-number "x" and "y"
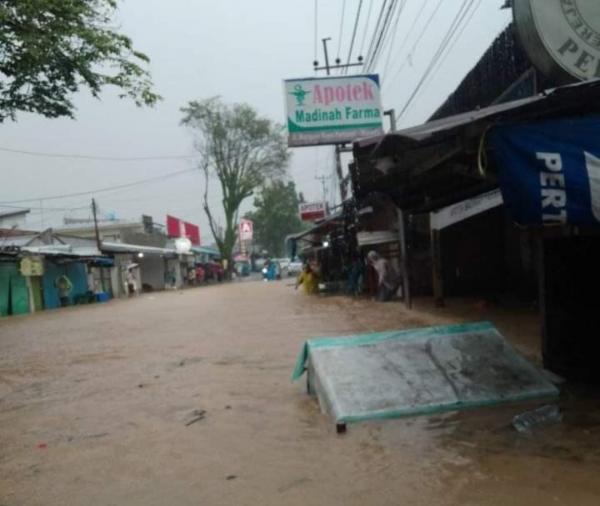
{"x": 300, "y": 94}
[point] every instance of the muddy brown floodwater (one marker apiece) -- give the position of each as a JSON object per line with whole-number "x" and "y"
{"x": 184, "y": 398}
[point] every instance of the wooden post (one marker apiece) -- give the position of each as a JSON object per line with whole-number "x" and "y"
{"x": 404, "y": 251}
{"x": 436, "y": 261}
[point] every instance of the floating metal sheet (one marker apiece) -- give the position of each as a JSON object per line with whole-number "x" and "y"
{"x": 420, "y": 371}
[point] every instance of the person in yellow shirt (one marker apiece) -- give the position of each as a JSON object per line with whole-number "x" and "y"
{"x": 309, "y": 280}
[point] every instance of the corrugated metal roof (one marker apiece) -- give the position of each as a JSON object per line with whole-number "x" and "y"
{"x": 17, "y": 240}
{"x": 18, "y": 212}
{"x": 322, "y": 224}
{"x": 117, "y": 247}
{"x": 62, "y": 250}
{"x": 205, "y": 250}
{"x": 562, "y": 97}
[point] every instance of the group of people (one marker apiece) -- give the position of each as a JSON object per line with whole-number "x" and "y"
{"x": 386, "y": 280}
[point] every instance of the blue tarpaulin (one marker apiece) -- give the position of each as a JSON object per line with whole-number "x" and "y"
{"x": 550, "y": 171}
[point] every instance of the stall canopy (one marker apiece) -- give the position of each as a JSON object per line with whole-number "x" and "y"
{"x": 436, "y": 164}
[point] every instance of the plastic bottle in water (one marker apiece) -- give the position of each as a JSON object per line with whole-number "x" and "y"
{"x": 541, "y": 416}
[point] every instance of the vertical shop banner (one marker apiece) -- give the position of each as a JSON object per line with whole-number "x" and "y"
{"x": 550, "y": 171}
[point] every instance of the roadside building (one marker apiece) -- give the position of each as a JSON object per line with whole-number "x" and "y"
{"x": 444, "y": 178}
{"x": 13, "y": 220}
{"x": 32, "y": 265}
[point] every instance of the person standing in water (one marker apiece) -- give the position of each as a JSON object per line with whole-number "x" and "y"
{"x": 64, "y": 286}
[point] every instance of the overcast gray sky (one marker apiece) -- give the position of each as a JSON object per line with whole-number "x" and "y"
{"x": 242, "y": 51}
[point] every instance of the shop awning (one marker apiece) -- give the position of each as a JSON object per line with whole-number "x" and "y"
{"x": 117, "y": 247}
{"x": 436, "y": 164}
{"x": 321, "y": 227}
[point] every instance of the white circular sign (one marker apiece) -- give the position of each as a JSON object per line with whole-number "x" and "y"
{"x": 183, "y": 245}
{"x": 562, "y": 37}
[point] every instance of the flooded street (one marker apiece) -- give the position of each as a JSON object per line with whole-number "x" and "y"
{"x": 184, "y": 398}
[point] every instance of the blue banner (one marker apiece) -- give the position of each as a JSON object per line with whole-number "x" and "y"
{"x": 550, "y": 171}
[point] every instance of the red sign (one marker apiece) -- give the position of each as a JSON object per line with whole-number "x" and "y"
{"x": 180, "y": 228}
{"x": 313, "y": 211}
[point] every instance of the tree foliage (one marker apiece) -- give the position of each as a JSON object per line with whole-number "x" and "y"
{"x": 49, "y": 49}
{"x": 276, "y": 216}
{"x": 241, "y": 150}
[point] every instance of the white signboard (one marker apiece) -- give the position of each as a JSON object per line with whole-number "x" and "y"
{"x": 311, "y": 211}
{"x": 333, "y": 110}
{"x": 465, "y": 209}
{"x": 246, "y": 230}
{"x": 561, "y": 35}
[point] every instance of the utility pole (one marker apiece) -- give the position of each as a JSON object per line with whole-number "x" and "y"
{"x": 322, "y": 179}
{"x": 97, "y": 233}
{"x": 338, "y": 170}
{"x": 326, "y": 54}
{"x": 42, "y": 212}
{"x": 338, "y": 63}
{"x": 339, "y": 148}
{"x": 392, "y": 114}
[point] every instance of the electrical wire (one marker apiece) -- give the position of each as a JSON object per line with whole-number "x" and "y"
{"x": 102, "y": 190}
{"x": 93, "y": 157}
{"x": 375, "y": 31}
{"x": 34, "y": 209}
{"x": 360, "y": 4}
{"x": 454, "y": 42}
{"x": 460, "y": 16}
{"x": 419, "y": 38}
{"x": 393, "y": 13}
{"x": 394, "y": 33}
{"x": 382, "y": 34}
{"x": 413, "y": 26}
{"x": 316, "y": 27}
{"x": 366, "y": 29}
{"x": 341, "y": 29}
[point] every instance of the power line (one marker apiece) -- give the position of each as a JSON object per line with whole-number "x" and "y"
{"x": 366, "y": 30}
{"x": 413, "y": 26}
{"x": 419, "y": 38}
{"x": 316, "y": 27}
{"x": 341, "y": 29}
{"x": 106, "y": 189}
{"x": 458, "y": 19}
{"x": 379, "y": 29}
{"x": 41, "y": 208}
{"x": 354, "y": 34}
{"x": 94, "y": 157}
{"x": 382, "y": 35}
{"x": 456, "y": 39}
{"x": 375, "y": 31}
{"x": 394, "y": 33}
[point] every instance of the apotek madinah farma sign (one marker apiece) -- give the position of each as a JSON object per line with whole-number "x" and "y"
{"x": 333, "y": 110}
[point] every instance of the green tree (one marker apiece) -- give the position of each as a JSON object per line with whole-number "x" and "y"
{"x": 51, "y": 48}
{"x": 276, "y": 216}
{"x": 242, "y": 151}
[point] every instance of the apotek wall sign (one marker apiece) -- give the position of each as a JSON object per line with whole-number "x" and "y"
{"x": 561, "y": 37}
{"x": 332, "y": 110}
{"x": 311, "y": 211}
